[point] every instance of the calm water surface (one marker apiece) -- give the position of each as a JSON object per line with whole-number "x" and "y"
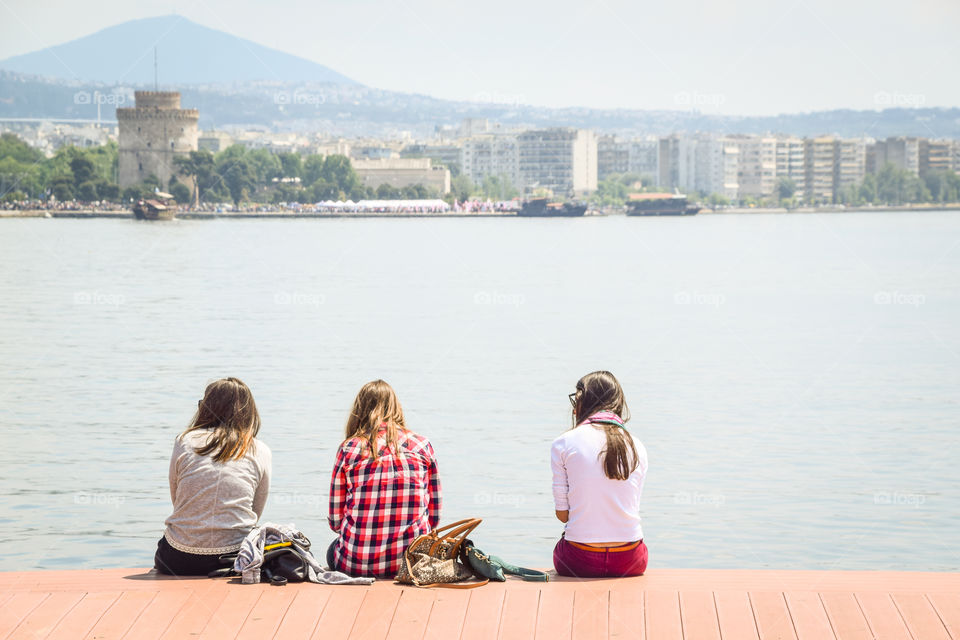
{"x": 794, "y": 377}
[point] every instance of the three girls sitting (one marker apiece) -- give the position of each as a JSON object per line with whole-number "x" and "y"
{"x": 385, "y": 487}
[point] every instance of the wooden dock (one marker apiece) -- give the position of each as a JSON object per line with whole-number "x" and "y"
{"x": 665, "y": 604}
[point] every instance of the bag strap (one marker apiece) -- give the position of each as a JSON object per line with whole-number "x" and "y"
{"x": 454, "y": 585}
{"x": 456, "y": 536}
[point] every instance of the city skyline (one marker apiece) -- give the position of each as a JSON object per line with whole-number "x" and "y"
{"x": 743, "y": 58}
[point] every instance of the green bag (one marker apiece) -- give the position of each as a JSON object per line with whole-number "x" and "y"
{"x": 493, "y": 568}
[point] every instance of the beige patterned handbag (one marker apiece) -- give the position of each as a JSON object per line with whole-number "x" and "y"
{"x": 432, "y": 560}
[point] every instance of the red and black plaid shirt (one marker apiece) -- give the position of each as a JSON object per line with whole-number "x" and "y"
{"x": 378, "y": 507}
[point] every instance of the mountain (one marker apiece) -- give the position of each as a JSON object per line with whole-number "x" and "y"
{"x": 188, "y": 53}
{"x": 359, "y": 111}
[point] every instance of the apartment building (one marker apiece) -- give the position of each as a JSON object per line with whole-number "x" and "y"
{"x": 757, "y": 172}
{"x": 818, "y": 158}
{"x": 935, "y": 155}
{"x": 491, "y": 155}
{"x": 790, "y": 162}
{"x": 563, "y": 160}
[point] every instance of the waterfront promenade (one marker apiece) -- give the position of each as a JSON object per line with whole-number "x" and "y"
{"x": 665, "y": 604}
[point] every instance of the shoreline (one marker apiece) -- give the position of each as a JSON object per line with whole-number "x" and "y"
{"x": 211, "y": 215}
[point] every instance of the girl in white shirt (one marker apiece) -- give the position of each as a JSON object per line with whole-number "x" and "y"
{"x": 598, "y": 474}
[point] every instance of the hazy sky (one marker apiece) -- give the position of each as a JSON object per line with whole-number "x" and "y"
{"x": 732, "y": 57}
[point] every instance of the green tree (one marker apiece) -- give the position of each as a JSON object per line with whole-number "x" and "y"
{"x": 240, "y": 178}
{"x": 785, "y": 188}
{"x": 291, "y": 165}
{"x": 180, "y": 192}
{"x": 87, "y": 191}
{"x": 461, "y": 188}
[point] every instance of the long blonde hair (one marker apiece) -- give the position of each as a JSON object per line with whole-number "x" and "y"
{"x": 601, "y": 391}
{"x": 229, "y": 413}
{"x": 375, "y": 406}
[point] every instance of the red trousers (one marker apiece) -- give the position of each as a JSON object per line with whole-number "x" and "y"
{"x": 569, "y": 559}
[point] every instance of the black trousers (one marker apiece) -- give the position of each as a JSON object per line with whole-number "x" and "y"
{"x": 178, "y": 563}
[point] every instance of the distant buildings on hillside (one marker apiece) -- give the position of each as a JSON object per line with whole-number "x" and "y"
{"x": 569, "y": 162}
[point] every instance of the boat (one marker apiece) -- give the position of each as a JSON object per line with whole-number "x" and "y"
{"x": 660, "y": 204}
{"x": 544, "y": 208}
{"x": 157, "y": 208}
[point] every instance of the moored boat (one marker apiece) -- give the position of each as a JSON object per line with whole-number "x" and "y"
{"x": 157, "y": 208}
{"x": 660, "y": 204}
{"x": 544, "y": 208}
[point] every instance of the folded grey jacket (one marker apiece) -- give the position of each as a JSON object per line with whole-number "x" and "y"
{"x": 250, "y": 556}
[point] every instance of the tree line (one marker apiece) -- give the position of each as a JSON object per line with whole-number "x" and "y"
{"x": 236, "y": 174}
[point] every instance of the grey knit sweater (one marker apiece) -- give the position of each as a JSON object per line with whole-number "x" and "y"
{"x": 215, "y": 504}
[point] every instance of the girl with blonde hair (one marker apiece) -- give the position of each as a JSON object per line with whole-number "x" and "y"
{"x": 385, "y": 488}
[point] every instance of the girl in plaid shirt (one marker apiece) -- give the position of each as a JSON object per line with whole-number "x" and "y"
{"x": 385, "y": 489}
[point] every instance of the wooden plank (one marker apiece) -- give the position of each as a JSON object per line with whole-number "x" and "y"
{"x": 519, "y": 620}
{"x": 772, "y": 616}
{"x": 304, "y": 612}
{"x": 195, "y": 614}
{"x": 555, "y": 613}
{"x": 921, "y": 618}
{"x": 18, "y": 607}
{"x": 447, "y": 615}
{"x": 626, "y": 614}
{"x": 229, "y": 617}
{"x": 810, "y": 619}
{"x": 158, "y": 615}
{"x": 661, "y": 612}
{"x": 948, "y": 608}
{"x": 42, "y": 620}
{"x": 121, "y": 615}
{"x": 483, "y": 613}
{"x": 845, "y": 616}
{"x": 266, "y": 615}
{"x": 412, "y": 614}
{"x": 698, "y": 614}
{"x": 340, "y": 612}
{"x": 375, "y": 613}
{"x": 590, "y": 614}
{"x": 882, "y": 615}
{"x": 81, "y": 619}
{"x": 735, "y": 615}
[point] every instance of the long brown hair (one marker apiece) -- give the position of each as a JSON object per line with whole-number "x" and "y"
{"x": 229, "y": 412}
{"x": 600, "y": 391}
{"x": 376, "y": 405}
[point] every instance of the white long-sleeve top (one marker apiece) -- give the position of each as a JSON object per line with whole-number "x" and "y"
{"x": 601, "y": 509}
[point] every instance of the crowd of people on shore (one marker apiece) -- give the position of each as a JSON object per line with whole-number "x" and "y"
{"x": 385, "y": 488}
{"x": 434, "y": 206}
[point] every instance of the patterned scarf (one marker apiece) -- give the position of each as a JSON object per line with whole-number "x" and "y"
{"x": 604, "y": 417}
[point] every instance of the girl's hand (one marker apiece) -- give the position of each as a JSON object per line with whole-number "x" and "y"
{"x": 563, "y": 516}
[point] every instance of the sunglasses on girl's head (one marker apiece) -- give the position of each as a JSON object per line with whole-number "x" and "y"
{"x": 573, "y": 398}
